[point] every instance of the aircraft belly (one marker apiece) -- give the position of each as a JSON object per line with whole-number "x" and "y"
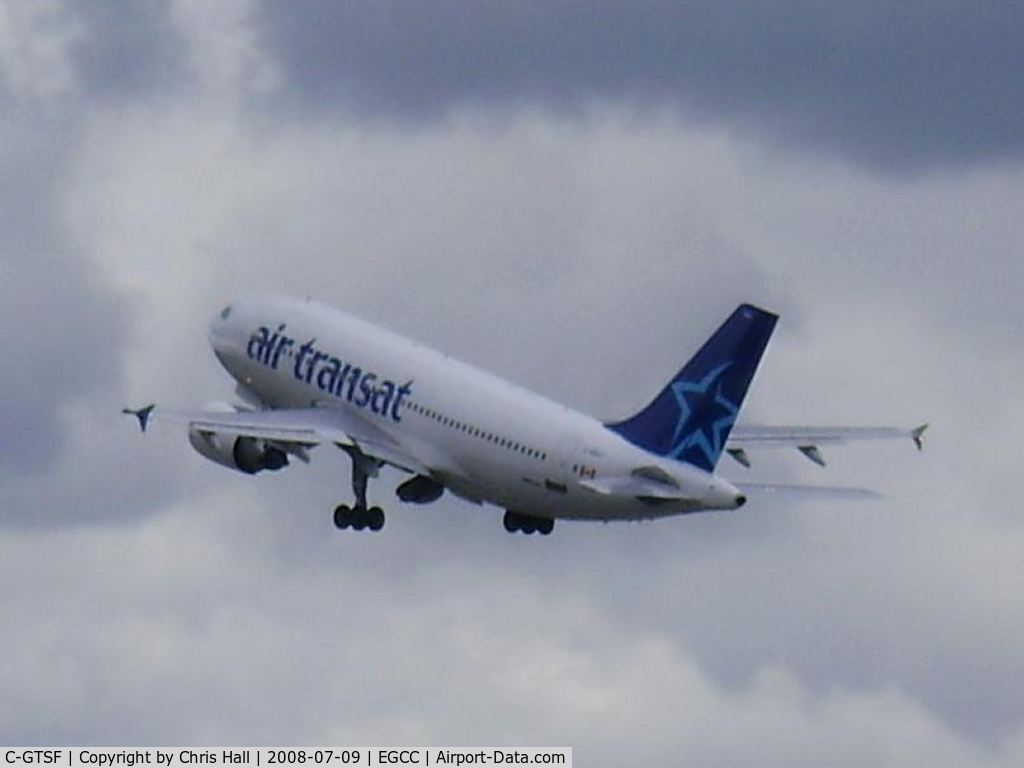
{"x": 532, "y": 497}
{"x": 621, "y": 509}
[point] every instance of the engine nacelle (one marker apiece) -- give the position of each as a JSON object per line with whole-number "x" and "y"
{"x": 244, "y": 454}
{"x": 420, "y": 490}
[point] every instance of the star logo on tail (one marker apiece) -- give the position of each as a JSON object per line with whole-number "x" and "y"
{"x": 709, "y": 439}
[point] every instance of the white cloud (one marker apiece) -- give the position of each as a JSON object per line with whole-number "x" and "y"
{"x": 224, "y": 59}
{"x": 37, "y": 39}
{"x": 187, "y": 628}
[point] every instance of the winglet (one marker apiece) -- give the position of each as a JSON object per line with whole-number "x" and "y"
{"x": 142, "y": 414}
{"x": 917, "y": 434}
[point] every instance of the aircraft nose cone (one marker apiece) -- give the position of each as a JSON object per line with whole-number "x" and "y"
{"x": 225, "y": 338}
{"x": 740, "y": 500}
{"x": 218, "y": 330}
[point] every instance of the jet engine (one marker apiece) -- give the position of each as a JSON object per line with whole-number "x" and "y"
{"x": 420, "y": 490}
{"x": 244, "y": 454}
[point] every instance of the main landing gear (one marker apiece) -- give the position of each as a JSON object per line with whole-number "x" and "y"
{"x": 359, "y": 516}
{"x": 517, "y": 521}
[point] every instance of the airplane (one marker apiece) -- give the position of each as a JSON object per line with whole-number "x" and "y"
{"x": 308, "y": 374}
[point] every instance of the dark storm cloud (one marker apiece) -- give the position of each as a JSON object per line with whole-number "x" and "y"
{"x": 128, "y": 49}
{"x": 910, "y": 85}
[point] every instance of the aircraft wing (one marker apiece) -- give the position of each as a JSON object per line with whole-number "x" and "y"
{"x": 294, "y": 429}
{"x": 807, "y": 439}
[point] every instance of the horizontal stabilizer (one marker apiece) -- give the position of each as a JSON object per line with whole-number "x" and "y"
{"x": 810, "y": 491}
{"x": 633, "y": 487}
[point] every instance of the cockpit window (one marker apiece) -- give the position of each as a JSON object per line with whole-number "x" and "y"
{"x": 224, "y": 313}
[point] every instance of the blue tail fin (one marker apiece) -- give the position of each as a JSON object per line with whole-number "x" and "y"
{"x": 691, "y": 418}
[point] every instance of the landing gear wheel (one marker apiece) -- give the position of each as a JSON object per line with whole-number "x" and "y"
{"x": 359, "y": 520}
{"x": 360, "y": 516}
{"x": 375, "y": 518}
{"x": 518, "y": 522}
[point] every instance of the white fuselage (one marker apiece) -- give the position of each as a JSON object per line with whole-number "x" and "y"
{"x": 489, "y": 440}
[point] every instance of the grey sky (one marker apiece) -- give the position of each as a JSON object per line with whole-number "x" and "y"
{"x": 903, "y": 87}
{"x": 910, "y": 86}
{"x": 573, "y": 201}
